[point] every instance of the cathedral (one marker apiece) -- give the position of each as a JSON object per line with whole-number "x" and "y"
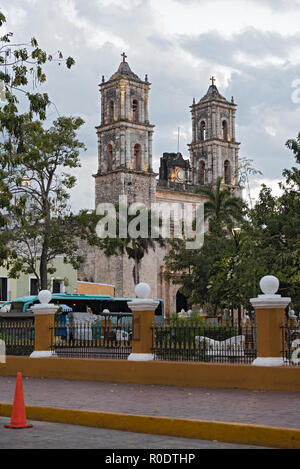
{"x": 125, "y": 167}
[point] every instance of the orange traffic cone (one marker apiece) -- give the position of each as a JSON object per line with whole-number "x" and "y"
{"x": 18, "y": 416}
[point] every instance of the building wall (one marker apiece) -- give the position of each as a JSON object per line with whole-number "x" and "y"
{"x": 88, "y": 288}
{"x": 21, "y": 286}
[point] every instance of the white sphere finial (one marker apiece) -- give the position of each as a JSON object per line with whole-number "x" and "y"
{"x": 45, "y": 297}
{"x": 269, "y": 285}
{"x": 142, "y": 290}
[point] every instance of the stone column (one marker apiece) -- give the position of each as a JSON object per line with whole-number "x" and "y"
{"x": 146, "y": 102}
{"x": 150, "y": 137}
{"x": 143, "y": 316}
{"x": 270, "y": 316}
{"x": 43, "y": 326}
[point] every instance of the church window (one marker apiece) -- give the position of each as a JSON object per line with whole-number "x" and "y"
{"x": 225, "y": 130}
{"x": 135, "y": 110}
{"x": 227, "y": 172}
{"x": 137, "y": 157}
{"x": 201, "y": 176}
{"x": 202, "y": 131}
{"x": 111, "y": 111}
{"x": 109, "y": 157}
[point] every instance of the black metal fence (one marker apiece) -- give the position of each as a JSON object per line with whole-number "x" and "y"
{"x": 108, "y": 336}
{"x": 194, "y": 341}
{"x": 290, "y": 345}
{"x": 17, "y": 336}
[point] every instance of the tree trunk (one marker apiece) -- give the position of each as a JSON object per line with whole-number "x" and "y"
{"x": 43, "y": 267}
{"x": 137, "y": 271}
{"x": 45, "y": 248}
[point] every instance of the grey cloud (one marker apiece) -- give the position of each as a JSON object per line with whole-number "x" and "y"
{"x": 175, "y": 80}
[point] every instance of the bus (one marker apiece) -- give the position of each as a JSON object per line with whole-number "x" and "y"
{"x": 21, "y": 307}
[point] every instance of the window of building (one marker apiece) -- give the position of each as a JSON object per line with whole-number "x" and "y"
{"x": 225, "y": 130}
{"x": 202, "y": 131}
{"x": 111, "y": 111}
{"x": 137, "y": 157}
{"x": 34, "y": 286}
{"x": 57, "y": 286}
{"x": 3, "y": 289}
{"x": 109, "y": 157}
{"x": 201, "y": 176}
{"x": 227, "y": 172}
{"x": 135, "y": 110}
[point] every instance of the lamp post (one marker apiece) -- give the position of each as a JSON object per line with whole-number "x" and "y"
{"x": 236, "y": 233}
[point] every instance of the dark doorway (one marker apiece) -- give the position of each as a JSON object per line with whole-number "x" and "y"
{"x": 181, "y": 302}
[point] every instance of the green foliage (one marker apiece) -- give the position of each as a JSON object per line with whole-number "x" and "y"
{"x": 226, "y": 271}
{"x": 21, "y": 69}
{"x": 41, "y": 225}
{"x": 136, "y": 247}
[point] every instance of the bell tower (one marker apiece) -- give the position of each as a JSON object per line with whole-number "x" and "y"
{"x": 214, "y": 150}
{"x": 125, "y": 139}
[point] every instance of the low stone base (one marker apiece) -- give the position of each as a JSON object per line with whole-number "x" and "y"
{"x": 141, "y": 357}
{"x": 268, "y": 361}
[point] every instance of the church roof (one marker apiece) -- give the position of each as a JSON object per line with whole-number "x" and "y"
{"x": 213, "y": 95}
{"x": 124, "y": 71}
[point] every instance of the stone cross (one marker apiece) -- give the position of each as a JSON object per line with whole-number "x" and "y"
{"x": 124, "y": 56}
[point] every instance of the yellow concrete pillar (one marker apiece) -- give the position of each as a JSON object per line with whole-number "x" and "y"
{"x": 270, "y": 316}
{"x": 143, "y": 317}
{"x": 44, "y": 314}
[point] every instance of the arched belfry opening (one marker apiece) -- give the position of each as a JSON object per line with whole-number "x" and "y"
{"x": 202, "y": 131}
{"x": 135, "y": 110}
{"x": 137, "y": 157}
{"x": 181, "y": 302}
{"x": 225, "y": 130}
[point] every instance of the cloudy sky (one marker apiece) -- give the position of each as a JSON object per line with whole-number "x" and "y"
{"x": 252, "y": 47}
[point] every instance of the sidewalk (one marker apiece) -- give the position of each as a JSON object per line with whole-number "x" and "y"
{"x": 279, "y": 409}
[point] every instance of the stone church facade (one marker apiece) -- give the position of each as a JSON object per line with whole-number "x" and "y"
{"x": 125, "y": 168}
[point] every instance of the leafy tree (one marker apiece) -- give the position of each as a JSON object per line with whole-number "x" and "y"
{"x": 221, "y": 205}
{"x": 41, "y": 225}
{"x": 21, "y": 64}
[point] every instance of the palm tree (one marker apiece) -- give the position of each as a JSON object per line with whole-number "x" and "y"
{"x": 135, "y": 247}
{"x": 221, "y": 207}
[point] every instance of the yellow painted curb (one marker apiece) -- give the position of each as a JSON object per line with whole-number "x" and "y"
{"x": 238, "y": 433}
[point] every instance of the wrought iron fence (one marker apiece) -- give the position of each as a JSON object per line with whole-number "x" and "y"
{"x": 108, "y": 336}
{"x": 18, "y": 336}
{"x": 290, "y": 345}
{"x": 194, "y": 341}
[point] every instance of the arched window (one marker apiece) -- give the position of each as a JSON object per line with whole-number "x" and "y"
{"x": 225, "y": 130}
{"x": 201, "y": 175}
{"x": 135, "y": 110}
{"x": 109, "y": 157}
{"x": 227, "y": 172}
{"x": 111, "y": 111}
{"x": 137, "y": 157}
{"x": 202, "y": 131}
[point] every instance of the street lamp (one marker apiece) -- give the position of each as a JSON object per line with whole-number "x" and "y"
{"x": 236, "y": 230}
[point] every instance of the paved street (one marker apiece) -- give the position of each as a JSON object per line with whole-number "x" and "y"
{"x": 230, "y": 405}
{"x": 59, "y": 436}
